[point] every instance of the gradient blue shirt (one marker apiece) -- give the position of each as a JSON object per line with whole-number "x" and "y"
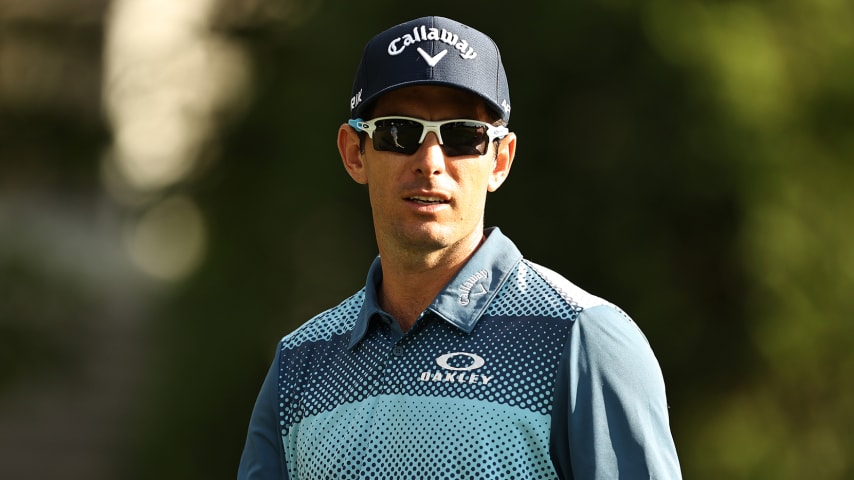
{"x": 512, "y": 372}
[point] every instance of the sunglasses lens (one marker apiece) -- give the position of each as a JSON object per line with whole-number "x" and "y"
{"x": 397, "y": 135}
{"x": 464, "y": 138}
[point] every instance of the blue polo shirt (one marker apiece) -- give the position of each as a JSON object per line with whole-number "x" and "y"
{"x": 512, "y": 372}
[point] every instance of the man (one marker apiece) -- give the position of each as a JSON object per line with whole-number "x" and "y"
{"x": 459, "y": 358}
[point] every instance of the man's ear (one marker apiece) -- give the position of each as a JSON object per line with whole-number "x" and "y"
{"x": 351, "y": 154}
{"x": 503, "y": 161}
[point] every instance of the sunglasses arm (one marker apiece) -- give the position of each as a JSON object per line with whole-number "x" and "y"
{"x": 362, "y": 126}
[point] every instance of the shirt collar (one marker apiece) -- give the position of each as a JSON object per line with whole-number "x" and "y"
{"x": 465, "y": 298}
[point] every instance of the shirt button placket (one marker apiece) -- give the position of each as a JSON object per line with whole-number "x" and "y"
{"x": 393, "y": 363}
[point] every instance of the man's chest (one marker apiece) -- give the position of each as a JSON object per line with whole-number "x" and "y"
{"x": 504, "y": 361}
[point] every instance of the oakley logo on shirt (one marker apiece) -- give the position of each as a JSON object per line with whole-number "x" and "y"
{"x": 457, "y": 374}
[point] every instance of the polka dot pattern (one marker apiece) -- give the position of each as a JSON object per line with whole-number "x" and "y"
{"x": 580, "y": 299}
{"x": 436, "y": 403}
{"x": 419, "y": 438}
{"x": 533, "y": 295}
{"x": 335, "y": 321}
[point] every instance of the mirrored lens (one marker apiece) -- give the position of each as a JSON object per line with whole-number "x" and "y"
{"x": 464, "y": 138}
{"x": 397, "y": 135}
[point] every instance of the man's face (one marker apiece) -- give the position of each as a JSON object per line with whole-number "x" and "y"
{"x": 427, "y": 201}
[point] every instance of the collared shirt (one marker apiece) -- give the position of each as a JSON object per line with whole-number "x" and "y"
{"x": 512, "y": 372}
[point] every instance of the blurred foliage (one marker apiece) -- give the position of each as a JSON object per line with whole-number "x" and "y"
{"x": 38, "y": 315}
{"x": 689, "y": 160}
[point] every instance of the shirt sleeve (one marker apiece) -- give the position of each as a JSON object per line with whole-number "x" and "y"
{"x": 263, "y": 457}
{"x": 610, "y": 417}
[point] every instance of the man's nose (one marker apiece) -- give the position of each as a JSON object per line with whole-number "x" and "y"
{"x": 430, "y": 158}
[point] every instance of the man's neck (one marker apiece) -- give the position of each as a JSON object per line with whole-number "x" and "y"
{"x": 411, "y": 283}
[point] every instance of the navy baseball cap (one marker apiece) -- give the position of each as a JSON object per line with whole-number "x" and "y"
{"x": 431, "y": 51}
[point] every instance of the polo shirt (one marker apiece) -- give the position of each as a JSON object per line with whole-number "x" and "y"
{"x": 512, "y": 372}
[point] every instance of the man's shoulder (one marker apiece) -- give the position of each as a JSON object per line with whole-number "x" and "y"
{"x": 565, "y": 288}
{"x": 535, "y": 290}
{"x": 337, "y": 320}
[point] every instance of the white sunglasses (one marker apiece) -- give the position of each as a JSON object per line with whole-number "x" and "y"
{"x": 405, "y": 135}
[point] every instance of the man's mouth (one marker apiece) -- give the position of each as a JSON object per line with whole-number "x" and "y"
{"x": 427, "y": 200}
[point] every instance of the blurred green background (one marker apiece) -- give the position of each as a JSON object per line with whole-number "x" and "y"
{"x": 172, "y": 203}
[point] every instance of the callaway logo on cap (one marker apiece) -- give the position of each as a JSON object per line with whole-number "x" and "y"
{"x": 431, "y": 51}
